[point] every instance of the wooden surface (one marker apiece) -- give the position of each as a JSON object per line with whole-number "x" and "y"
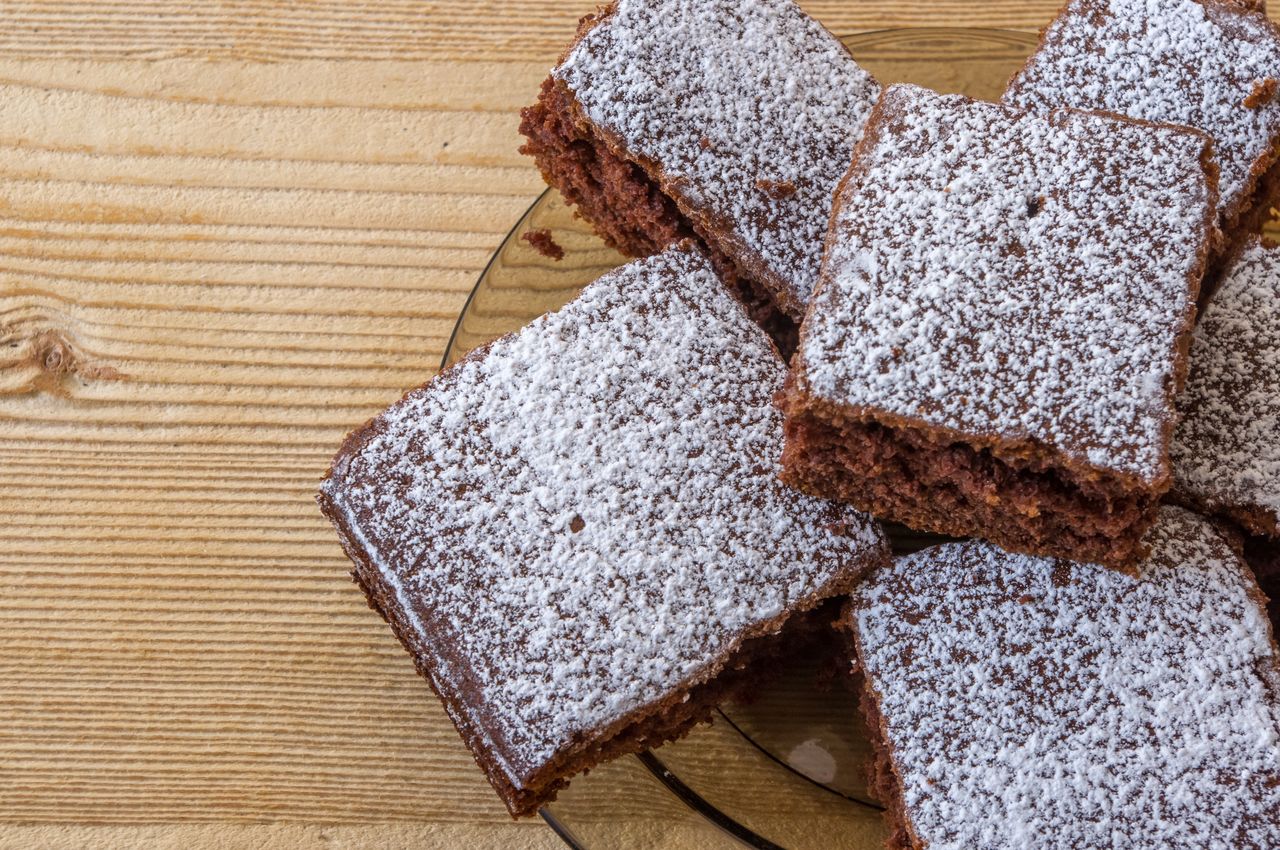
{"x": 229, "y": 233}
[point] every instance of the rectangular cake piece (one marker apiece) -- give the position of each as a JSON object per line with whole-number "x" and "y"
{"x": 1226, "y": 449}
{"x": 1001, "y": 324}
{"x": 1035, "y": 702}
{"x": 1209, "y": 64}
{"x": 578, "y": 532}
{"x": 727, "y": 121}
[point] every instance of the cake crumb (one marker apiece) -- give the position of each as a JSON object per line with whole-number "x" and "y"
{"x": 1263, "y": 92}
{"x": 544, "y": 243}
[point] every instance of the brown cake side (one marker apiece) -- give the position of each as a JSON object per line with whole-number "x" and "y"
{"x": 625, "y": 206}
{"x": 932, "y": 480}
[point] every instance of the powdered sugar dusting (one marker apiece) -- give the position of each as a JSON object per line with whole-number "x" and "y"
{"x": 588, "y": 517}
{"x": 1013, "y": 276}
{"x": 1036, "y": 703}
{"x": 1226, "y": 452}
{"x": 750, "y": 109}
{"x": 1177, "y": 61}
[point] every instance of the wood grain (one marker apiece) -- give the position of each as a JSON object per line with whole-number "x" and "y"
{"x": 229, "y": 233}
{"x": 269, "y": 30}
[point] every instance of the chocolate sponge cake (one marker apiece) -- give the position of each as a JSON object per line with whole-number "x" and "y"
{"x": 1001, "y": 324}
{"x": 1209, "y": 64}
{"x": 725, "y": 121}
{"x": 1226, "y": 450}
{"x": 578, "y": 532}
{"x": 1034, "y": 702}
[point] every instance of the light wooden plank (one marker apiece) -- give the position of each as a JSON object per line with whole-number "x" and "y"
{"x": 229, "y": 233}
{"x": 266, "y": 30}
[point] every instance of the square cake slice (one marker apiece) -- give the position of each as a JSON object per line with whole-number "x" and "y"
{"x": 1209, "y": 64}
{"x": 1226, "y": 449}
{"x": 727, "y": 121}
{"x": 1001, "y": 324}
{"x": 579, "y": 533}
{"x": 1035, "y": 702}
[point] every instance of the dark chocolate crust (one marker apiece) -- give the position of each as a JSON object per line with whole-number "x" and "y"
{"x": 1252, "y": 519}
{"x": 883, "y": 783}
{"x": 1255, "y": 215}
{"x": 882, "y": 777}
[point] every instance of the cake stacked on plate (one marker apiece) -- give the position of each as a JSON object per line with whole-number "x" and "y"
{"x": 592, "y": 531}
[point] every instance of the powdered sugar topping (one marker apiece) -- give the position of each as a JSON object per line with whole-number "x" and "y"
{"x": 588, "y": 517}
{"x": 1036, "y": 703}
{"x": 1013, "y": 277}
{"x": 1177, "y": 61}
{"x": 750, "y": 110}
{"x": 1226, "y": 452}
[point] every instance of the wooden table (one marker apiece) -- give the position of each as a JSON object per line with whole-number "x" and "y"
{"x": 230, "y": 233}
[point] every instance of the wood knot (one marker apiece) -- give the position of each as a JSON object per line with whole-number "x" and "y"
{"x": 53, "y": 354}
{"x": 50, "y": 358}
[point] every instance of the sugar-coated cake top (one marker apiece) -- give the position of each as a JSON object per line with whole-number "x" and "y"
{"x": 1032, "y": 702}
{"x": 1226, "y": 450}
{"x": 588, "y": 516}
{"x": 749, "y": 108}
{"x": 1175, "y": 61}
{"x": 1017, "y": 278}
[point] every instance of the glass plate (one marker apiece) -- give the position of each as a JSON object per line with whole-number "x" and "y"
{"x": 787, "y": 769}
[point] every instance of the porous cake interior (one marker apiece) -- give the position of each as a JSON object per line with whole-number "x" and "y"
{"x": 882, "y": 781}
{"x": 949, "y": 487}
{"x": 623, "y": 203}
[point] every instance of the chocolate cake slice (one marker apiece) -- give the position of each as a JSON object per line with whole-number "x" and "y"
{"x": 727, "y": 121}
{"x": 1035, "y": 702}
{"x": 1001, "y": 324}
{"x": 578, "y": 532}
{"x": 1226, "y": 450}
{"x": 1209, "y": 64}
